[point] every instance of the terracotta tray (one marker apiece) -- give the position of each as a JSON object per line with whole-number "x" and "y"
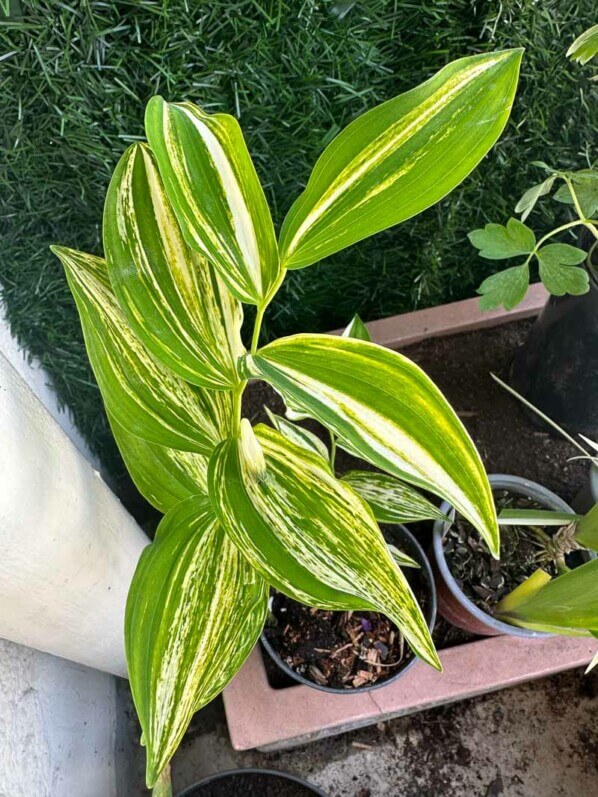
{"x": 260, "y": 716}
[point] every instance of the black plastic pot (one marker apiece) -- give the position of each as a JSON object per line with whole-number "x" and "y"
{"x": 556, "y": 369}
{"x": 453, "y": 603}
{"x": 226, "y": 781}
{"x": 405, "y": 541}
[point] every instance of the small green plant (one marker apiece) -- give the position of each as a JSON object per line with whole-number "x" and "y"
{"x": 558, "y": 263}
{"x": 189, "y": 239}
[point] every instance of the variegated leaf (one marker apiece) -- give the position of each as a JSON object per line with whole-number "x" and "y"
{"x": 170, "y": 295}
{"x": 384, "y": 409}
{"x": 356, "y": 329}
{"x": 298, "y": 434}
{"x": 565, "y": 605}
{"x": 195, "y": 610}
{"x": 307, "y": 533}
{"x": 216, "y": 194}
{"x": 144, "y": 396}
{"x": 391, "y": 500}
{"x": 164, "y": 476}
{"x": 401, "y": 157}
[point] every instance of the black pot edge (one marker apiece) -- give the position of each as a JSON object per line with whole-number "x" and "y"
{"x": 188, "y": 792}
{"x": 440, "y": 527}
{"x": 430, "y": 618}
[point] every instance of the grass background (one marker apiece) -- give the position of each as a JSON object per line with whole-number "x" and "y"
{"x": 76, "y": 77}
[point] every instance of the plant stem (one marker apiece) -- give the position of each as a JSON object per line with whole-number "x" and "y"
{"x": 163, "y": 787}
{"x": 238, "y": 406}
{"x": 332, "y": 449}
{"x": 257, "y": 327}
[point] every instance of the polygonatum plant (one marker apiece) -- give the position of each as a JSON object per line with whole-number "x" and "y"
{"x": 189, "y": 239}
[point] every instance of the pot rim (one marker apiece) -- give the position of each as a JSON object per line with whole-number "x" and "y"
{"x": 499, "y": 481}
{"x": 188, "y": 792}
{"x": 401, "y": 533}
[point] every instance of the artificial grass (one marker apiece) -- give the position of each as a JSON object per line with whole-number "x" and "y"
{"x": 77, "y": 77}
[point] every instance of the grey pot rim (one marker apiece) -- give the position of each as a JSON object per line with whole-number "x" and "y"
{"x": 430, "y": 615}
{"x": 188, "y": 792}
{"x": 498, "y": 481}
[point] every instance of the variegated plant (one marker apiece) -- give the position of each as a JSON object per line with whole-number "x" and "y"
{"x": 188, "y": 238}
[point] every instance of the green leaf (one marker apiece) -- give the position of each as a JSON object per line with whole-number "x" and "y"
{"x": 535, "y": 517}
{"x": 194, "y": 612}
{"x": 497, "y": 242}
{"x": 298, "y": 435}
{"x": 307, "y": 533}
{"x": 507, "y": 287}
{"x": 568, "y": 603}
{"x": 528, "y": 201}
{"x": 384, "y": 409}
{"x": 357, "y": 329}
{"x": 557, "y": 272}
{"x": 164, "y": 476}
{"x": 216, "y": 194}
{"x": 402, "y": 559}
{"x": 144, "y": 396}
{"x": 401, "y": 157}
{"x": 586, "y": 191}
{"x": 585, "y": 47}
{"x": 586, "y": 532}
{"x": 390, "y": 500}
{"x": 171, "y": 297}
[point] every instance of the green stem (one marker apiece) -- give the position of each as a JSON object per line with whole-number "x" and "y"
{"x": 238, "y": 406}
{"x": 257, "y": 327}
{"x": 163, "y": 786}
{"x": 332, "y": 449}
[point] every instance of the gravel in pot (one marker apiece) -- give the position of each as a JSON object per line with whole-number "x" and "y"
{"x": 471, "y": 582}
{"x": 345, "y": 652}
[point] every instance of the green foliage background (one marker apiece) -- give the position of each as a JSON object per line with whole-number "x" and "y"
{"x": 76, "y": 77}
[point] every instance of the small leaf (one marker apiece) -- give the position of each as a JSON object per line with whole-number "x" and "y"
{"x": 528, "y": 201}
{"x": 311, "y": 536}
{"x": 586, "y": 192}
{"x": 164, "y": 476}
{"x": 194, "y": 612}
{"x": 585, "y": 47}
{"x": 383, "y": 408}
{"x": 536, "y": 517}
{"x": 391, "y": 500}
{"x": 144, "y": 396}
{"x": 216, "y": 194}
{"x": 298, "y": 435}
{"x": 497, "y": 242}
{"x": 402, "y": 559}
{"x": 402, "y": 157}
{"x": 507, "y": 287}
{"x": 557, "y": 272}
{"x": 357, "y": 329}
{"x": 170, "y": 295}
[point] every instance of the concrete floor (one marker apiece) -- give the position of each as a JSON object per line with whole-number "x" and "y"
{"x": 536, "y": 740}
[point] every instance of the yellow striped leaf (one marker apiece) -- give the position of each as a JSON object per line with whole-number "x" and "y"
{"x": 164, "y": 476}
{"x": 216, "y": 194}
{"x": 309, "y": 534}
{"x": 170, "y": 295}
{"x": 391, "y": 500}
{"x": 298, "y": 435}
{"x": 194, "y": 612}
{"x": 401, "y": 157}
{"x": 384, "y": 409}
{"x": 144, "y": 396}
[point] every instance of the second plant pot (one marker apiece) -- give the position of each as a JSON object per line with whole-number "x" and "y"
{"x": 405, "y": 542}
{"x": 453, "y": 604}
{"x": 244, "y": 782}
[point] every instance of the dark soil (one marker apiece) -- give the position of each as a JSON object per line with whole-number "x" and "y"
{"x": 253, "y": 785}
{"x": 342, "y": 650}
{"x": 484, "y": 579}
